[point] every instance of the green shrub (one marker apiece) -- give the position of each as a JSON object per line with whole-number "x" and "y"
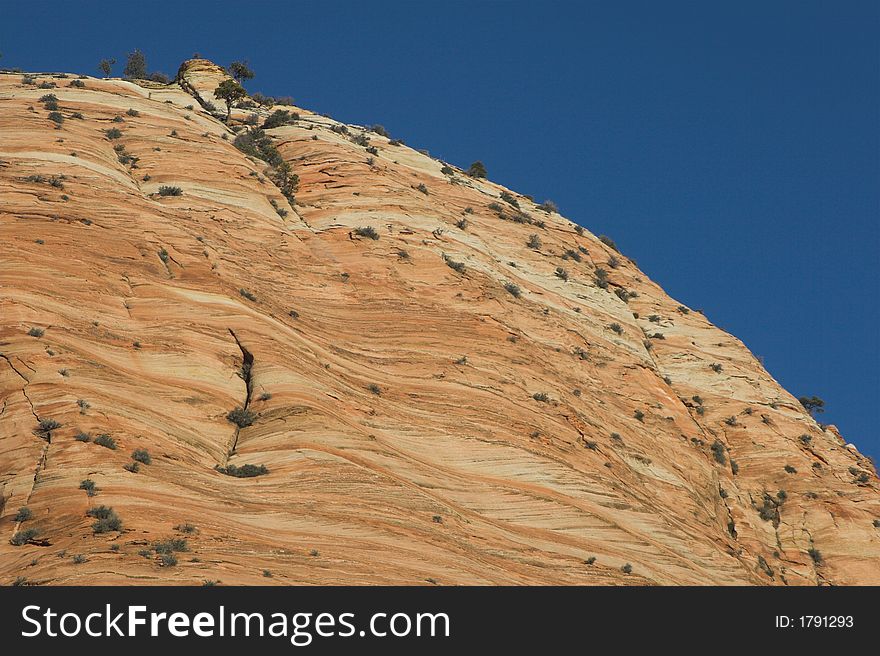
{"x": 79, "y": 559}
{"x": 23, "y": 537}
{"x": 423, "y": 188}
{"x": 571, "y": 254}
{"x": 132, "y": 112}
{"x": 170, "y": 545}
{"x": 638, "y": 414}
{"x": 541, "y": 396}
{"x": 508, "y": 198}
{"x": 608, "y": 242}
{"x": 45, "y": 427}
{"x": 616, "y": 328}
{"x": 534, "y": 242}
{"x": 89, "y": 486}
{"x": 548, "y": 206}
{"x": 718, "y": 452}
{"x": 113, "y": 133}
{"x": 367, "y": 231}
{"x": 132, "y": 467}
{"x": 135, "y": 66}
{"x": 245, "y": 471}
{"x": 168, "y": 560}
{"x": 477, "y": 170}
{"x": 278, "y": 118}
{"x": 627, "y": 569}
{"x": 142, "y": 456}
{"x": 513, "y": 289}
{"x": 815, "y": 555}
{"x": 241, "y": 417}
{"x": 812, "y": 404}
{"x": 717, "y": 368}
{"x": 790, "y": 469}
{"x": 166, "y": 190}
{"x": 106, "y": 519}
{"x": 24, "y": 513}
{"x": 106, "y": 441}
{"x": 561, "y": 273}
{"x": 36, "y": 332}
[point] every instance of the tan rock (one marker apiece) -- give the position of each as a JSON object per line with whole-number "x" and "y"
{"x": 400, "y": 424}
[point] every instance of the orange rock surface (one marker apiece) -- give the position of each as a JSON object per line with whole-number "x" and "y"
{"x": 453, "y": 402}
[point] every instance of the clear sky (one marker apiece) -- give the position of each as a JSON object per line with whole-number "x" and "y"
{"x": 732, "y": 149}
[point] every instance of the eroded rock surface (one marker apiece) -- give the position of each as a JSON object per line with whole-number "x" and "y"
{"x": 453, "y": 402}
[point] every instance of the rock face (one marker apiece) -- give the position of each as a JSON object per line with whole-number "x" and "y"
{"x": 445, "y": 388}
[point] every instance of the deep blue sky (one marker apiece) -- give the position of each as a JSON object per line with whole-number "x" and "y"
{"x": 732, "y": 149}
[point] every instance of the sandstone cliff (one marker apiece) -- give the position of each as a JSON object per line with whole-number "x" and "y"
{"x": 481, "y": 394}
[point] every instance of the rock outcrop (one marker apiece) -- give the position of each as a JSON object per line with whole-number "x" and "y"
{"x": 446, "y": 383}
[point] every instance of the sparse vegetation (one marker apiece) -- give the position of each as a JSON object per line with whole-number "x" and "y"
{"x": 23, "y": 537}
{"x": 24, "y": 513}
{"x": 513, "y": 289}
{"x": 616, "y": 328}
{"x": 89, "y": 486}
{"x": 82, "y": 436}
{"x": 717, "y": 368}
{"x": 718, "y": 452}
{"x": 789, "y": 469}
{"x": 166, "y": 190}
{"x": 609, "y": 242}
{"x": 477, "y": 170}
{"x": 627, "y": 569}
{"x": 812, "y": 404}
{"x": 142, "y": 456}
{"x": 374, "y": 388}
{"x": 561, "y": 273}
{"x": 106, "y": 441}
{"x": 113, "y": 133}
{"x": 106, "y": 519}
{"x": 534, "y": 242}
{"x": 367, "y": 231}
{"x": 638, "y": 414}
{"x": 245, "y": 471}
{"x": 45, "y": 427}
{"x": 229, "y": 91}
{"x": 135, "y": 66}
{"x": 241, "y": 417}
{"x": 541, "y": 396}
{"x": 815, "y": 555}
{"x": 36, "y": 332}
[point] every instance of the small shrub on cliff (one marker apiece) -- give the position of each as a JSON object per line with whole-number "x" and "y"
{"x": 718, "y": 452}
{"x": 89, "y": 486}
{"x": 166, "y": 190}
{"x": 24, "y": 513}
{"x": 36, "y": 332}
{"x": 609, "y": 242}
{"x": 513, "y": 289}
{"x": 142, "y": 456}
{"x": 241, "y": 417}
{"x": 245, "y": 471}
{"x": 106, "y": 441}
{"x": 477, "y": 170}
{"x": 368, "y": 231}
{"x": 534, "y": 242}
{"x": 23, "y": 537}
{"x": 113, "y": 133}
{"x": 106, "y": 519}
